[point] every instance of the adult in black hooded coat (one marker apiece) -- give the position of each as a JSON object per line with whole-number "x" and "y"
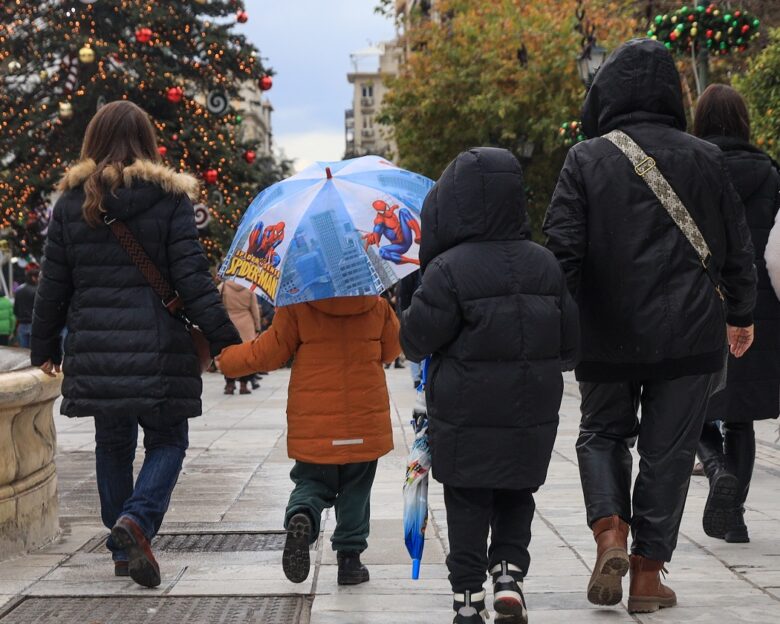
{"x": 128, "y": 361}
{"x": 653, "y": 324}
{"x": 494, "y": 311}
{"x": 753, "y": 388}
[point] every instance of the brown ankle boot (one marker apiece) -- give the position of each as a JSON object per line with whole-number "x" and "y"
{"x": 606, "y": 582}
{"x": 648, "y": 594}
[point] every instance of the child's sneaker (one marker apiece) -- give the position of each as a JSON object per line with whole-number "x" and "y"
{"x": 508, "y": 599}
{"x": 470, "y": 608}
{"x": 351, "y": 570}
{"x": 295, "y": 558}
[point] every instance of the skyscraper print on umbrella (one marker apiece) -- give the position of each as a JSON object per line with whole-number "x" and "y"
{"x": 337, "y": 229}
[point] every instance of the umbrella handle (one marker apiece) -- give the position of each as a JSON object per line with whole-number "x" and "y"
{"x": 415, "y": 569}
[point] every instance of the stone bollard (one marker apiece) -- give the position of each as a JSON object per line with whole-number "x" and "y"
{"x": 28, "y": 441}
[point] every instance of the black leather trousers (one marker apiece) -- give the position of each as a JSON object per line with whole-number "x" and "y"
{"x": 672, "y": 416}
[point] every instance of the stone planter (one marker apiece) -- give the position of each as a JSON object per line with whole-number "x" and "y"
{"x": 28, "y": 479}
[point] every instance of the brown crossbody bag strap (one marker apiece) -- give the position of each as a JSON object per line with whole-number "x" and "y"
{"x": 162, "y": 288}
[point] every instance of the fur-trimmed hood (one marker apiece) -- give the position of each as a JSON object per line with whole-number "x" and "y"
{"x": 141, "y": 170}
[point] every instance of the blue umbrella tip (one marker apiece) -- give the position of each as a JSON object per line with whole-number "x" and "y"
{"x": 415, "y": 569}
{"x": 329, "y": 173}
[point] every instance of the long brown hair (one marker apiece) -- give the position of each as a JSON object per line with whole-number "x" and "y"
{"x": 722, "y": 111}
{"x": 118, "y": 135}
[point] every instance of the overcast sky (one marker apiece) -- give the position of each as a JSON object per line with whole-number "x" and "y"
{"x": 308, "y": 43}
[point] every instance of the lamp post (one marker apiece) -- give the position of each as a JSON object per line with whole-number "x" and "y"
{"x": 524, "y": 150}
{"x": 588, "y": 63}
{"x": 592, "y": 55}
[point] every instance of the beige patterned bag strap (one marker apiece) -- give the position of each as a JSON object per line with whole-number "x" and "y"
{"x": 645, "y": 167}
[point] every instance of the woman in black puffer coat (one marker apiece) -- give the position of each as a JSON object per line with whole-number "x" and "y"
{"x": 753, "y": 388}
{"x": 128, "y": 361}
{"x": 495, "y": 312}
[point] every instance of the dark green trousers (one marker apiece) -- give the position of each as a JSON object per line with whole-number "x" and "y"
{"x": 347, "y": 487}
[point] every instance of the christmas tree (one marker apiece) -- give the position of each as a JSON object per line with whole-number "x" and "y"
{"x": 60, "y": 60}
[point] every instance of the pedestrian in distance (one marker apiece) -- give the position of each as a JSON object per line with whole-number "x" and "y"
{"x": 7, "y": 320}
{"x": 338, "y": 418}
{"x": 494, "y": 313}
{"x": 655, "y": 246}
{"x": 244, "y": 312}
{"x": 24, "y": 300}
{"x": 128, "y": 360}
{"x": 753, "y": 387}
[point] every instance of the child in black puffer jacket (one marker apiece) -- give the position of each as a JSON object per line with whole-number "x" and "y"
{"x": 494, "y": 311}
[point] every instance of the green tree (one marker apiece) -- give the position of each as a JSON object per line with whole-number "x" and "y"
{"x": 498, "y": 72}
{"x": 182, "y": 62}
{"x": 760, "y": 85}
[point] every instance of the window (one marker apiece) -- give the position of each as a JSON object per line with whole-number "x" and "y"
{"x": 368, "y": 90}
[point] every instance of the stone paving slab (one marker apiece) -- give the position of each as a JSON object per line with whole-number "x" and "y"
{"x": 236, "y": 478}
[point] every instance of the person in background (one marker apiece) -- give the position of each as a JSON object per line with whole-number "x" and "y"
{"x": 753, "y": 387}
{"x": 406, "y": 289}
{"x": 7, "y": 320}
{"x": 241, "y": 305}
{"x": 338, "y": 416}
{"x": 24, "y": 300}
{"x": 656, "y": 318}
{"x": 494, "y": 313}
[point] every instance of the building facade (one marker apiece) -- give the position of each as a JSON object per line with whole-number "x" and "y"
{"x": 256, "y": 112}
{"x": 371, "y": 69}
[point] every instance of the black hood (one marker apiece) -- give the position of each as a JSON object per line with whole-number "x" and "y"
{"x": 638, "y": 82}
{"x": 479, "y": 197}
{"x": 749, "y": 166}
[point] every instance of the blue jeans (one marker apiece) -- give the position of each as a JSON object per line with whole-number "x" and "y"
{"x": 116, "y": 438}
{"x": 23, "y": 333}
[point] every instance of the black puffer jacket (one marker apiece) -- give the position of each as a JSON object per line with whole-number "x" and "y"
{"x": 494, "y": 311}
{"x": 124, "y": 353}
{"x": 753, "y": 389}
{"x": 647, "y": 308}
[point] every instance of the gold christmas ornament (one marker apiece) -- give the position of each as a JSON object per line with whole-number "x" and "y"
{"x": 87, "y": 55}
{"x": 14, "y": 66}
{"x": 66, "y": 110}
{"x": 43, "y": 74}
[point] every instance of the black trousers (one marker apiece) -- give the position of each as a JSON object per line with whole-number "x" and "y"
{"x": 471, "y": 513}
{"x": 673, "y": 413}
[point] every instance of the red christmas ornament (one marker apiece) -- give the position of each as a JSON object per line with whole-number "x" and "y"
{"x": 242, "y": 17}
{"x": 673, "y": 35}
{"x": 745, "y": 29}
{"x": 691, "y": 17}
{"x": 210, "y": 176}
{"x": 175, "y": 95}
{"x": 143, "y": 35}
{"x": 709, "y": 34}
{"x": 175, "y": 137}
{"x": 266, "y": 82}
{"x": 250, "y": 156}
{"x": 163, "y": 150}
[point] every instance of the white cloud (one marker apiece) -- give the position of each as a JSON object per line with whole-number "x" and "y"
{"x": 308, "y": 147}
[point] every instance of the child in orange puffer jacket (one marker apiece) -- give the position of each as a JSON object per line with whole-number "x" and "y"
{"x": 338, "y": 414}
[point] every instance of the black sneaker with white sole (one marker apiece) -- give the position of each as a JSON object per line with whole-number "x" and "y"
{"x": 508, "y": 599}
{"x": 295, "y": 558}
{"x": 470, "y": 608}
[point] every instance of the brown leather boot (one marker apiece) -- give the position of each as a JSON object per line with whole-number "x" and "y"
{"x": 606, "y": 582}
{"x": 647, "y": 593}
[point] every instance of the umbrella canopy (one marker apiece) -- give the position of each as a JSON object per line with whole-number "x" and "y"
{"x": 338, "y": 229}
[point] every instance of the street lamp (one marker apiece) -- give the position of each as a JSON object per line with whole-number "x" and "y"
{"x": 588, "y": 63}
{"x": 524, "y": 150}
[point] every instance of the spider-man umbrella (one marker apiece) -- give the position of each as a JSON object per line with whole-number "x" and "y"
{"x": 416, "y": 484}
{"x": 338, "y": 229}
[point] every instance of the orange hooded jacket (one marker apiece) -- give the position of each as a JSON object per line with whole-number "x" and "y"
{"x": 338, "y": 408}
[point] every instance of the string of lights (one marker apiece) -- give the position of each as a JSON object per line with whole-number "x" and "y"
{"x": 183, "y": 62}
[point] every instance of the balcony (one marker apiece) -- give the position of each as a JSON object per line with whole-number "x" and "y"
{"x": 367, "y": 133}
{"x": 367, "y": 102}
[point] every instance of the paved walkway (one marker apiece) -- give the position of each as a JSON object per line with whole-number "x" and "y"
{"x": 235, "y": 479}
